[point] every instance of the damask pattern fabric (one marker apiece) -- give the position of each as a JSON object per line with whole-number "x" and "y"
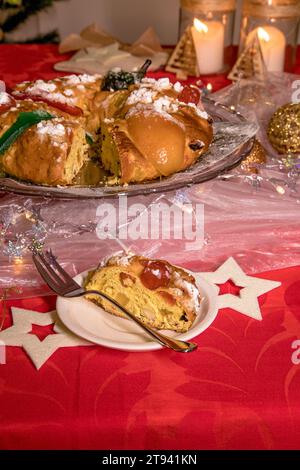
{"x": 239, "y": 390}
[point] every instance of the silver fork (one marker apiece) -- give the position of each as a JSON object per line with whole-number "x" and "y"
{"x": 63, "y": 285}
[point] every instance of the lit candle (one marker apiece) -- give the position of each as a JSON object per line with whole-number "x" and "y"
{"x": 209, "y": 44}
{"x": 273, "y": 45}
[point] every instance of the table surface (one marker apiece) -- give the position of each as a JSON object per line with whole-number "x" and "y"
{"x": 239, "y": 390}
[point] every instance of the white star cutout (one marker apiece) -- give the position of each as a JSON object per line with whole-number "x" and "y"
{"x": 19, "y": 334}
{"x": 253, "y": 287}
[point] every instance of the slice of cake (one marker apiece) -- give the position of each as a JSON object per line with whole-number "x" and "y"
{"x": 76, "y": 96}
{"x": 51, "y": 152}
{"x": 147, "y": 132}
{"x": 161, "y": 295}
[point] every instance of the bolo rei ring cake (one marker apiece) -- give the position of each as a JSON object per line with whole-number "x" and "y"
{"x": 142, "y": 130}
{"x": 161, "y": 295}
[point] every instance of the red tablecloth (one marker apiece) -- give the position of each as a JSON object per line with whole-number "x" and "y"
{"x": 240, "y": 390}
{"x": 27, "y": 62}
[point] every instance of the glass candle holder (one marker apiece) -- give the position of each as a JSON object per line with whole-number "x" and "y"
{"x": 276, "y": 23}
{"x": 212, "y": 23}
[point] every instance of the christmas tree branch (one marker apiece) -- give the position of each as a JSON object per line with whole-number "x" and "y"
{"x": 52, "y": 37}
{"x": 29, "y": 8}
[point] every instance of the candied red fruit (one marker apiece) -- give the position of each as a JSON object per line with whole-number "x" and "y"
{"x": 156, "y": 274}
{"x": 190, "y": 94}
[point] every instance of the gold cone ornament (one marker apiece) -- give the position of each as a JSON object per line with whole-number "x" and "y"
{"x": 183, "y": 61}
{"x": 250, "y": 63}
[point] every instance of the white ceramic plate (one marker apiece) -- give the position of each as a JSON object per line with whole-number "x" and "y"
{"x": 92, "y": 323}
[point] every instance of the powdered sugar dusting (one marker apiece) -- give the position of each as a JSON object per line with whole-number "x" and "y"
{"x": 40, "y": 87}
{"x": 68, "y": 92}
{"x": 178, "y": 87}
{"x": 159, "y": 85}
{"x": 165, "y": 105}
{"x": 122, "y": 259}
{"x": 198, "y": 111}
{"x": 49, "y": 91}
{"x": 163, "y": 84}
{"x": 141, "y": 95}
{"x": 73, "y": 80}
{"x": 5, "y": 98}
{"x": 194, "y": 302}
{"x": 84, "y": 78}
{"x": 59, "y": 97}
{"x": 51, "y": 128}
{"x": 152, "y": 92}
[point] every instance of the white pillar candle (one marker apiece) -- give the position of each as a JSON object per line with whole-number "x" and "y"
{"x": 273, "y": 45}
{"x": 209, "y": 40}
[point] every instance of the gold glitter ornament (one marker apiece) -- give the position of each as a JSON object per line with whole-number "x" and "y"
{"x": 284, "y": 129}
{"x": 256, "y": 157}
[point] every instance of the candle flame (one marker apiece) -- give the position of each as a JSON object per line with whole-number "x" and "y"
{"x": 262, "y": 34}
{"x": 201, "y": 27}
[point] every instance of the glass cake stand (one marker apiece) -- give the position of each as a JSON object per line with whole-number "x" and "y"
{"x": 233, "y": 141}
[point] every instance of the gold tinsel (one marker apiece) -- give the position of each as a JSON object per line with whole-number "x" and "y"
{"x": 256, "y": 157}
{"x": 284, "y": 129}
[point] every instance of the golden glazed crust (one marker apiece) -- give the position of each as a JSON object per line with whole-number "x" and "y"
{"x": 50, "y": 153}
{"x": 148, "y": 142}
{"x": 82, "y": 91}
{"x": 133, "y": 165}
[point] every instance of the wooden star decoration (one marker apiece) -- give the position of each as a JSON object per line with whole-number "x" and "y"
{"x": 252, "y": 287}
{"x": 19, "y": 334}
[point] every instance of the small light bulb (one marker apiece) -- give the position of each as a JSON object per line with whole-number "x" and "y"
{"x": 280, "y": 190}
